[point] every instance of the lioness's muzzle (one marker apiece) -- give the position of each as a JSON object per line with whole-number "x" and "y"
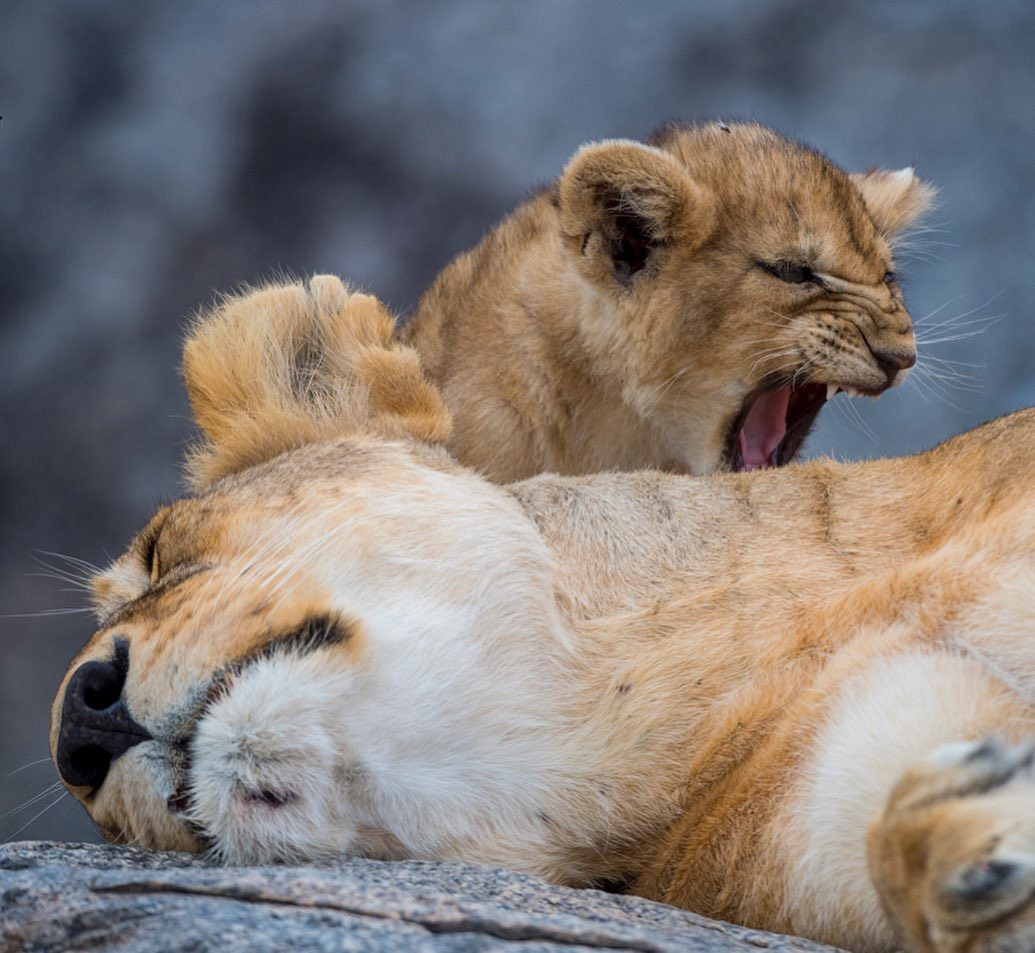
{"x": 96, "y": 726}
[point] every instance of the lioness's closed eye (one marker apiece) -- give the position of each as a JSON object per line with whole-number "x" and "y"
{"x": 758, "y": 696}
{"x": 688, "y": 303}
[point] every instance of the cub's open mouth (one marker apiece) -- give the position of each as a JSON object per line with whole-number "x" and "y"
{"x": 774, "y": 422}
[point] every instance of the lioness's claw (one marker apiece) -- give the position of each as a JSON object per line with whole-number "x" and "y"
{"x": 954, "y": 855}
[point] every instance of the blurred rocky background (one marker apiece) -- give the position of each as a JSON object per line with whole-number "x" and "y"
{"x": 151, "y": 153}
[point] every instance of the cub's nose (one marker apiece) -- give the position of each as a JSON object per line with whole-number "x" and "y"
{"x": 891, "y": 362}
{"x": 96, "y": 726}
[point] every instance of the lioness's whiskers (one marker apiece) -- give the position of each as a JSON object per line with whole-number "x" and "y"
{"x": 78, "y": 576}
{"x": 87, "y": 567}
{"x": 36, "y": 817}
{"x": 46, "y": 792}
{"x": 31, "y": 764}
{"x": 76, "y": 585}
{"x": 44, "y": 613}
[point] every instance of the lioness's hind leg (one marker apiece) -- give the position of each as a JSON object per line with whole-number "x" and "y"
{"x": 953, "y": 856}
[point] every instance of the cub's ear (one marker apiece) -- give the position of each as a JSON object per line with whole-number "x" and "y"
{"x": 895, "y": 200}
{"x": 293, "y": 364}
{"x": 622, "y": 202}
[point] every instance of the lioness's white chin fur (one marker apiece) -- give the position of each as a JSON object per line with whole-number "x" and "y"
{"x": 272, "y": 738}
{"x": 436, "y": 731}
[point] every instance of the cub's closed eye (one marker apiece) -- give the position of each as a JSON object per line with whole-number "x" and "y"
{"x": 789, "y": 271}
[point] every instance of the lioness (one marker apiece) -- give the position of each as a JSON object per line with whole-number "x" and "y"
{"x": 687, "y": 304}
{"x": 759, "y": 696}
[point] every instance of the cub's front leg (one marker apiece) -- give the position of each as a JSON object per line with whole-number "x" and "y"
{"x": 953, "y": 855}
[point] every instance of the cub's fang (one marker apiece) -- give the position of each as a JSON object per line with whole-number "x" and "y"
{"x": 832, "y": 389}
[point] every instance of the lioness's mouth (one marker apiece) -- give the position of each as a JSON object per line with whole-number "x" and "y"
{"x": 181, "y": 801}
{"x": 774, "y": 422}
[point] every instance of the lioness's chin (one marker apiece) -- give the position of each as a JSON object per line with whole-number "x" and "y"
{"x": 262, "y": 778}
{"x": 133, "y": 806}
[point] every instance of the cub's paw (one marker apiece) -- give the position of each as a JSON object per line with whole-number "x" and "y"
{"x": 953, "y": 856}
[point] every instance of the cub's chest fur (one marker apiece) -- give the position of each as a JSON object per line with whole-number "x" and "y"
{"x": 689, "y": 303}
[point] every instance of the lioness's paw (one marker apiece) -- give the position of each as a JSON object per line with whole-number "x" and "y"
{"x": 298, "y": 363}
{"x": 953, "y": 856}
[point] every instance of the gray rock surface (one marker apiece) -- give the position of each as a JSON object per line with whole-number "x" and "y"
{"x": 88, "y": 897}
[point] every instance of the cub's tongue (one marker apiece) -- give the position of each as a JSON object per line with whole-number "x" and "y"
{"x": 764, "y": 428}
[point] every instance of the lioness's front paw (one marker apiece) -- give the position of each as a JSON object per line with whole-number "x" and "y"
{"x": 289, "y": 364}
{"x": 953, "y": 856}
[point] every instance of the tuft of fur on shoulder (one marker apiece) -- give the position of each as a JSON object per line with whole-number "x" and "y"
{"x": 292, "y": 364}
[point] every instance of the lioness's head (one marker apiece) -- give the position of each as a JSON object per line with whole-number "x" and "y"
{"x": 291, "y": 661}
{"x": 744, "y": 280}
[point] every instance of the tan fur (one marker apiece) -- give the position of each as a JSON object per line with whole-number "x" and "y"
{"x": 304, "y": 371}
{"x": 554, "y": 356}
{"x": 635, "y": 677}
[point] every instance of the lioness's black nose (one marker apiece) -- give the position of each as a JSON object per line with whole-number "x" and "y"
{"x": 96, "y": 726}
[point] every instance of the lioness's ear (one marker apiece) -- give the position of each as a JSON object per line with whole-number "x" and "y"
{"x": 895, "y": 200}
{"x": 621, "y": 201}
{"x": 294, "y": 364}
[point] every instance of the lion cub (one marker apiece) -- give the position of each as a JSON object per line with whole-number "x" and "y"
{"x": 689, "y": 304}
